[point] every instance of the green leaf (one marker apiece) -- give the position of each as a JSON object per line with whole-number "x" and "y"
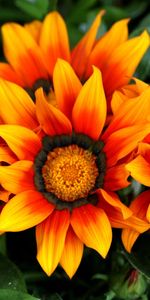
{"x": 35, "y": 8}
{"x": 140, "y": 256}
{"x": 79, "y": 11}
{"x": 7, "y": 294}
{"x": 13, "y": 14}
{"x": 10, "y": 275}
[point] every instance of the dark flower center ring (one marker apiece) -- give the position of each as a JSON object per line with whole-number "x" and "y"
{"x": 68, "y": 170}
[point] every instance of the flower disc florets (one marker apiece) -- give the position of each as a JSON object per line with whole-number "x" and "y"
{"x": 69, "y": 168}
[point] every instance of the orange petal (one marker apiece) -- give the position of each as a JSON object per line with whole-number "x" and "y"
{"x": 23, "y": 53}
{"x": 51, "y": 119}
{"x": 139, "y": 207}
{"x": 50, "y": 236}
{"x": 17, "y": 177}
{"x": 7, "y": 73}
{"x": 34, "y": 28}
{"x": 117, "y": 221}
{"x": 16, "y": 105}
{"x": 116, "y": 178}
{"x": 148, "y": 213}
{"x": 123, "y": 62}
{"x": 72, "y": 253}
{"x": 24, "y": 211}
{"x": 130, "y": 90}
{"x": 80, "y": 54}
{"x": 117, "y": 99}
{"x": 123, "y": 141}
{"x": 66, "y": 85}
{"x": 22, "y": 141}
{"x": 107, "y": 44}
{"x": 129, "y": 237}
{"x": 139, "y": 169}
{"x": 144, "y": 150}
{"x": 89, "y": 111}
{"x": 92, "y": 227}
{"x": 4, "y": 195}
{"x": 131, "y": 112}
{"x": 114, "y": 201}
{"x": 6, "y": 155}
{"x": 54, "y": 40}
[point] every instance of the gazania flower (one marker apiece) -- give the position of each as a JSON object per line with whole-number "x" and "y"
{"x": 32, "y": 50}
{"x": 138, "y": 93}
{"x": 66, "y": 170}
{"x": 139, "y": 161}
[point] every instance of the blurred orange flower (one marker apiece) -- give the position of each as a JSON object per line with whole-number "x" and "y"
{"x": 32, "y": 51}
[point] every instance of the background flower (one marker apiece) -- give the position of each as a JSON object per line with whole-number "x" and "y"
{"x": 32, "y": 51}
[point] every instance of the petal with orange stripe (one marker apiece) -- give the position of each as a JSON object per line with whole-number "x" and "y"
{"x": 92, "y": 227}
{"x": 144, "y": 150}
{"x": 16, "y": 105}
{"x": 23, "y": 53}
{"x": 51, "y": 119}
{"x": 34, "y": 28}
{"x": 117, "y": 221}
{"x": 123, "y": 62}
{"x": 125, "y": 141}
{"x": 89, "y": 111}
{"x": 17, "y": 177}
{"x": 81, "y": 52}
{"x": 66, "y": 85}
{"x": 117, "y": 34}
{"x": 7, "y": 73}
{"x": 139, "y": 206}
{"x": 50, "y": 236}
{"x": 22, "y": 141}
{"x": 24, "y": 211}
{"x": 117, "y": 99}
{"x": 129, "y": 237}
{"x": 114, "y": 201}
{"x": 116, "y": 178}
{"x": 6, "y": 155}
{"x": 4, "y": 195}
{"x": 130, "y": 112}
{"x": 72, "y": 253}
{"x": 54, "y": 40}
{"x": 139, "y": 169}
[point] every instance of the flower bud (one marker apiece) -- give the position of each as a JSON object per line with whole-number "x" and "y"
{"x": 129, "y": 285}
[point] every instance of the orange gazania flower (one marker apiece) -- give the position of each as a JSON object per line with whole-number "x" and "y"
{"x": 66, "y": 170}
{"x": 32, "y": 51}
{"x": 135, "y": 96}
{"x": 139, "y": 161}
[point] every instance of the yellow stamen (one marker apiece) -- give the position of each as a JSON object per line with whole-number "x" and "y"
{"x": 70, "y": 172}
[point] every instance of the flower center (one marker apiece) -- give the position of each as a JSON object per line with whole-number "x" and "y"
{"x": 68, "y": 169}
{"x": 44, "y": 83}
{"x": 70, "y": 172}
